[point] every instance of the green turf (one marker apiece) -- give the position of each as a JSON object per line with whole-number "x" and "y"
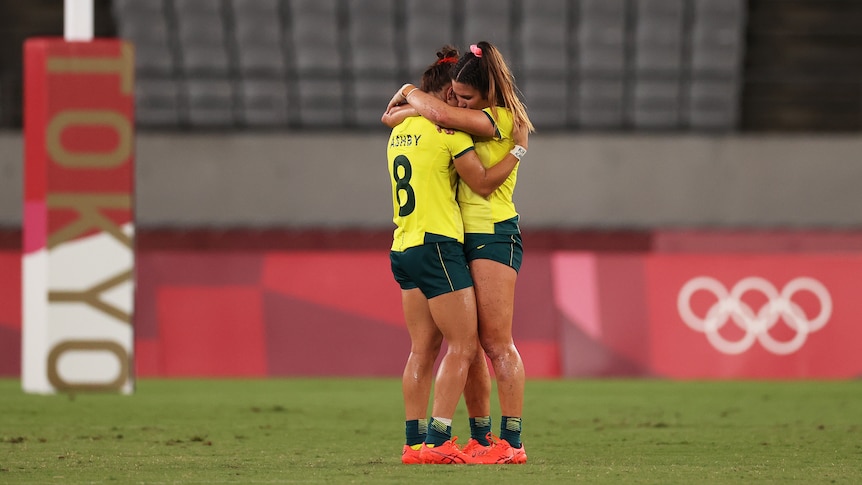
{"x": 350, "y": 431}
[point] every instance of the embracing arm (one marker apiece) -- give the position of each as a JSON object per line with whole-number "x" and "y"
{"x": 396, "y": 114}
{"x": 484, "y": 181}
{"x": 471, "y": 121}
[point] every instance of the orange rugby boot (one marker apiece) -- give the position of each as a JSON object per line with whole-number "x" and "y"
{"x": 499, "y": 453}
{"x": 520, "y": 455}
{"x": 473, "y": 448}
{"x": 446, "y": 454}
{"x": 409, "y": 456}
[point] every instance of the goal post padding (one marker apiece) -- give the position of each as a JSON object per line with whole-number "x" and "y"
{"x": 78, "y": 221}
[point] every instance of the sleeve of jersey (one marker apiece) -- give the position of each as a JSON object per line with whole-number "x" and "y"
{"x": 505, "y": 123}
{"x": 459, "y": 144}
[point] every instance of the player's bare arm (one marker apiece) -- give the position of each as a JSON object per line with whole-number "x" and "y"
{"x": 484, "y": 181}
{"x": 396, "y": 114}
{"x": 481, "y": 180}
{"x": 468, "y": 120}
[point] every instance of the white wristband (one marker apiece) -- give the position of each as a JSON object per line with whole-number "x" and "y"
{"x": 401, "y": 91}
{"x": 518, "y": 152}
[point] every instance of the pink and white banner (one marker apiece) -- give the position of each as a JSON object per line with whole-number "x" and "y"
{"x": 251, "y": 312}
{"x": 755, "y": 316}
{"x": 710, "y": 316}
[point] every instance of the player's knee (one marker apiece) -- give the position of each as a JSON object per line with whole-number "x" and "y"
{"x": 467, "y": 349}
{"x": 498, "y": 349}
{"x": 492, "y": 343}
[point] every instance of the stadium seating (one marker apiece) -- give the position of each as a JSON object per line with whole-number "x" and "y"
{"x": 211, "y": 103}
{"x": 601, "y": 61}
{"x": 265, "y": 103}
{"x": 658, "y": 53}
{"x": 488, "y": 20}
{"x": 258, "y": 36}
{"x": 545, "y": 66}
{"x": 148, "y": 30}
{"x": 202, "y": 39}
{"x": 319, "y": 58}
{"x": 374, "y": 59}
{"x": 580, "y": 64}
{"x": 158, "y": 102}
{"x": 429, "y": 26}
{"x": 717, "y": 44}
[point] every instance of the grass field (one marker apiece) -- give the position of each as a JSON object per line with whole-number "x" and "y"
{"x": 350, "y": 431}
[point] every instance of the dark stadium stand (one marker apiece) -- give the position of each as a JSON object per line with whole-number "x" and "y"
{"x": 606, "y": 65}
{"x": 802, "y": 66}
{"x": 672, "y": 65}
{"x": 20, "y": 20}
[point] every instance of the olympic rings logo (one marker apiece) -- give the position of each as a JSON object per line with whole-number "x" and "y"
{"x": 730, "y": 308}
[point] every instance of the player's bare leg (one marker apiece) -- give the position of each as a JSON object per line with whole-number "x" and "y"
{"x": 477, "y": 391}
{"x": 425, "y": 342}
{"x": 477, "y": 396}
{"x": 495, "y": 296}
{"x": 456, "y": 317}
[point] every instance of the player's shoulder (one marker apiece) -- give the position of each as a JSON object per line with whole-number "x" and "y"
{"x": 505, "y": 118}
{"x": 418, "y": 123}
{"x": 458, "y": 138}
{"x": 502, "y": 119}
{"x": 431, "y": 130}
{"x": 414, "y": 126}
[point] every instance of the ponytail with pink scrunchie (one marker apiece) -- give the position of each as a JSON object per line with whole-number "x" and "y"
{"x": 476, "y": 50}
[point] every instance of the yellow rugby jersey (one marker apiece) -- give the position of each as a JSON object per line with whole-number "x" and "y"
{"x": 423, "y": 180}
{"x": 479, "y": 213}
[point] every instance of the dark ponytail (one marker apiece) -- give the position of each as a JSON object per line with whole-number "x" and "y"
{"x": 436, "y": 76}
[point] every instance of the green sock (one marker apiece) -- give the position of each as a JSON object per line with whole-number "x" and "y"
{"x": 438, "y": 433}
{"x": 479, "y": 428}
{"x": 510, "y": 430}
{"x": 415, "y": 431}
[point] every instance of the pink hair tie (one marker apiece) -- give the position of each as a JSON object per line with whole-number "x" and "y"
{"x": 476, "y": 50}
